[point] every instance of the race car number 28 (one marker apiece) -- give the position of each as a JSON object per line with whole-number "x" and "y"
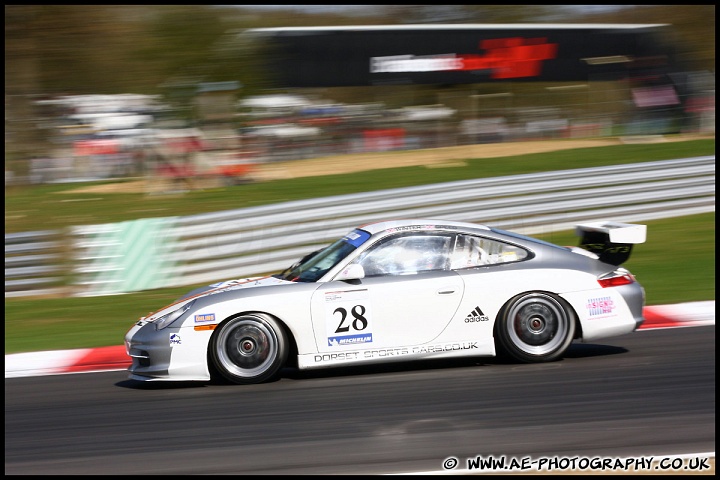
{"x": 359, "y": 322}
{"x": 347, "y": 318}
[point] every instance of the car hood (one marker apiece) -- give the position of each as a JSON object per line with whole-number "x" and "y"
{"x": 215, "y": 288}
{"x": 248, "y": 282}
{"x": 237, "y": 284}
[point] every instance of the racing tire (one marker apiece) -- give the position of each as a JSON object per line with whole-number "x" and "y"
{"x": 249, "y": 349}
{"x": 535, "y": 327}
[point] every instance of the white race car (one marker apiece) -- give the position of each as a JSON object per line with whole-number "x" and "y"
{"x": 398, "y": 291}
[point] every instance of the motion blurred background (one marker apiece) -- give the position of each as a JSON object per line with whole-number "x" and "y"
{"x": 118, "y": 91}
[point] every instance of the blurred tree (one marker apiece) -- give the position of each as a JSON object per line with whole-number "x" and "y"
{"x": 81, "y": 47}
{"x": 136, "y": 48}
{"x": 693, "y": 29}
{"x": 180, "y": 40}
{"x": 471, "y": 13}
{"x": 22, "y": 74}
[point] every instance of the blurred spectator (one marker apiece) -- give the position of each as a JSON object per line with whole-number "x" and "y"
{"x": 106, "y": 136}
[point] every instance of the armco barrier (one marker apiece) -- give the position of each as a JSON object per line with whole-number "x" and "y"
{"x": 177, "y": 251}
{"x": 33, "y": 263}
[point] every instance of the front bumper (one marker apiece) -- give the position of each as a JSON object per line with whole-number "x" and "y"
{"x": 173, "y": 353}
{"x": 150, "y": 352}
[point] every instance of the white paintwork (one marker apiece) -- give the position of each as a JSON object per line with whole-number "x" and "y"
{"x": 438, "y": 314}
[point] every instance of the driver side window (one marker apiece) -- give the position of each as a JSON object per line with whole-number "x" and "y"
{"x": 407, "y": 255}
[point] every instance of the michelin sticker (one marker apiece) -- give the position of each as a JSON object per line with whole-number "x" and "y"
{"x": 348, "y": 319}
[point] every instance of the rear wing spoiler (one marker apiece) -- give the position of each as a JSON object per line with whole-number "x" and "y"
{"x": 611, "y": 241}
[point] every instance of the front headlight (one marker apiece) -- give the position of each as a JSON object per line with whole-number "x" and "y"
{"x": 169, "y": 318}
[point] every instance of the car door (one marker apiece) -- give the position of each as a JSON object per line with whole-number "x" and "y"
{"x": 409, "y": 303}
{"x": 385, "y": 311}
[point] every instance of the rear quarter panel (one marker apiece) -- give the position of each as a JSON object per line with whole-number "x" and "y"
{"x": 491, "y": 287}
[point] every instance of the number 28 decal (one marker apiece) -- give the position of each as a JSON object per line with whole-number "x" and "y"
{"x": 348, "y": 318}
{"x": 358, "y": 322}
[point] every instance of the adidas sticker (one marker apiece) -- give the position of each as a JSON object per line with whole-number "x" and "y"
{"x": 476, "y": 315}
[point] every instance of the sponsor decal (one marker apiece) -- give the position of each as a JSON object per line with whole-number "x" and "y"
{"x": 331, "y": 357}
{"x": 601, "y": 306}
{"x": 476, "y": 315}
{"x": 175, "y": 339}
{"x": 394, "y": 352}
{"x": 411, "y": 227}
{"x": 385, "y": 352}
{"x": 347, "y": 318}
{"x": 419, "y": 227}
{"x": 205, "y": 317}
{"x": 349, "y": 340}
{"x": 356, "y": 237}
{"x": 445, "y": 347}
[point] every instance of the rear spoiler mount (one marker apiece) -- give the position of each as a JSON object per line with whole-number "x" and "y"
{"x": 611, "y": 241}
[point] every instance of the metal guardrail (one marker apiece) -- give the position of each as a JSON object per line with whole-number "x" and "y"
{"x": 201, "y": 249}
{"x": 29, "y": 258}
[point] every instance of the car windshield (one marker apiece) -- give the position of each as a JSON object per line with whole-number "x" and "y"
{"x": 313, "y": 266}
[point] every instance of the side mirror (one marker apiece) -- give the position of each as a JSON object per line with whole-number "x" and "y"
{"x": 354, "y": 271}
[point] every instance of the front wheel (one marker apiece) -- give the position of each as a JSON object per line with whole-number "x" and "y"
{"x": 249, "y": 349}
{"x": 535, "y": 327}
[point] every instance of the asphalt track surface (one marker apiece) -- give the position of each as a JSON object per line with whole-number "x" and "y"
{"x": 647, "y": 394}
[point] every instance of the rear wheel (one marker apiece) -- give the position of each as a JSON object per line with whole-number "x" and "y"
{"x": 249, "y": 349}
{"x": 535, "y": 327}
